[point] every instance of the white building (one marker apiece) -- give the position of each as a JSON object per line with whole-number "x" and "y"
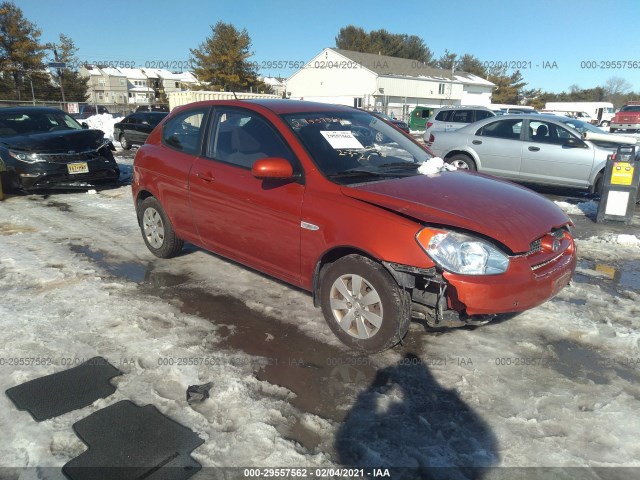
{"x": 139, "y": 86}
{"x": 122, "y": 89}
{"x": 106, "y": 86}
{"x": 167, "y": 82}
{"x": 278, "y": 85}
{"x": 389, "y": 84}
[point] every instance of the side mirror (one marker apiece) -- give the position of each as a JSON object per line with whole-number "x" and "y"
{"x": 573, "y": 142}
{"x": 84, "y": 125}
{"x": 273, "y": 168}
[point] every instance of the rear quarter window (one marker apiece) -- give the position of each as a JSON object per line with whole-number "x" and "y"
{"x": 444, "y": 115}
{"x": 184, "y": 132}
{"x": 462, "y": 116}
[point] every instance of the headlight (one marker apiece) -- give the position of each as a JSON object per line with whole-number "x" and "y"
{"x": 463, "y": 254}
{"x": 26, "y": 157}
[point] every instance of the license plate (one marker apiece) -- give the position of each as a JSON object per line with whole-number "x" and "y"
{"x": 561, "y": 282}
{"x": 81, "y": 167}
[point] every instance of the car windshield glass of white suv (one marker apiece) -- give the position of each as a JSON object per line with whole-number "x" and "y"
{"x": 29, "y": 123}
{"x": 356, "y": 147}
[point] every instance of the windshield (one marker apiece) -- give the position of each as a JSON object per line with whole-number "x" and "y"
{"x": 349, "y": 147}
{"x": 581, "y": 126}
{"x": 30, "y": 122}
{"x": 630, "y": 108}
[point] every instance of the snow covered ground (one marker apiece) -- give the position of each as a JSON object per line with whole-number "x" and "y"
{"x": 557, "y": 386}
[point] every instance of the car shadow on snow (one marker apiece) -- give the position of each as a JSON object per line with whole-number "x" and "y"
{"x": 408, "y": 423}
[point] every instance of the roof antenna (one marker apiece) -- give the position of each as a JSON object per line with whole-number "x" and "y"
{"x": 234, "y": 95}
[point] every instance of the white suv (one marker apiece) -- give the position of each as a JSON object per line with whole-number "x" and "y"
{"x": 454, "y": 117}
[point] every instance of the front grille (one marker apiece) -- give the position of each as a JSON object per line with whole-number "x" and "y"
{"x": 536, "y": 245}
{"x": 63, "y": 179}
{"x": 69, "y": 157}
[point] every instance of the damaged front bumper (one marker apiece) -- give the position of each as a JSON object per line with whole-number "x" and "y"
{"x": 444, "y": 299}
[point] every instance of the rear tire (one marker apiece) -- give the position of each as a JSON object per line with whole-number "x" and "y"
{"x": 157, "y": 231}
{"x": 363, "y": 305}
{"x": 462, "y": 162}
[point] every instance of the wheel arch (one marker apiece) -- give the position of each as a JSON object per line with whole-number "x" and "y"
{"x": 141, "y": 197}
{"x": 463, "y": 151}
{"x": 330, "y": 256}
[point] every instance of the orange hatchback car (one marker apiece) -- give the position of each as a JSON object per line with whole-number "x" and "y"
{"x": 306, "y": 193}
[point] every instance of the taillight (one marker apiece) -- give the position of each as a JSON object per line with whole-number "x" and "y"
{"x": 431, "y": 138}
{"x": 429, "y": 124}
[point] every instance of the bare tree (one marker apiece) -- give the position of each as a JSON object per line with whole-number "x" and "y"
{"x": 617, "y": 86}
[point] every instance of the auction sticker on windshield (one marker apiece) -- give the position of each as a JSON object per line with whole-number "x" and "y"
{"x": 339, "y": 139}
{"x": 81, "y": 167}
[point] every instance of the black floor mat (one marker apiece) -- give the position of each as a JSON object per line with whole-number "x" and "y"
{"x": 62, "y": 392}
{"x": 130, "y": 442}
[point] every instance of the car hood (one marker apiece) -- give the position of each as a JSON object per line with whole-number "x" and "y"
{"x": 62, "y": 141}
{"x": 513, "y": 215}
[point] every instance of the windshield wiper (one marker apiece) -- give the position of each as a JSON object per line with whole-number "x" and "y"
{"x": 399, "y": 164}
{"x": 358, "y": 172}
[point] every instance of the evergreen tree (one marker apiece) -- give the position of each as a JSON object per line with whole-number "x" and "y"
{"x": 471, "y": 64}
{"x": 384, "y": 43}
{"x": 447, "y": 60}
{"x": 222, "y": 60}
{"x": 508, "y": 87}
{"x": 21, "y": 55}
{"x": 354, "y": 38}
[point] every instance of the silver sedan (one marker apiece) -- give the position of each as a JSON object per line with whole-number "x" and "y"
{"x": 544, "y": 149}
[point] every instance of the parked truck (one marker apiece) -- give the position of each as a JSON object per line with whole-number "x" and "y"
{"x": 627, "y": 120}
{"x": 598, "y": 113}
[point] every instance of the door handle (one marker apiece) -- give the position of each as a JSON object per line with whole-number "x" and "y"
{"x": 477, "y": 142}
{"x": 206, "y": 178}
{"x": 534, "y": 149}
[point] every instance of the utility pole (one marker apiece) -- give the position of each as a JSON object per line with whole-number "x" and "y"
{"x": 52, "y": 46}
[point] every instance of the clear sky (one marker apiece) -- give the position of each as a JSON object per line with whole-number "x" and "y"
{"x": 557, "y": 43}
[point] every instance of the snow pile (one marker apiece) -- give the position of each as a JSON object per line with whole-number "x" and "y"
{"x": 433, "y": 166}
{"x": 589, "y": 208}
{"x": 103, "y": 122}
{"x": 627, "y": 240}
{"x": 631, "y": 240}
{"x": 555, "y": 386}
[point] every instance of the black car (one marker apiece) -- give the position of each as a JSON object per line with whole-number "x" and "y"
{"x": 136, "y": 127}
{"x": 395, "y": 122}
{"x": 42, "y": 148}
{"x": 86, "y": 111}
{"x": 156, "y": 107}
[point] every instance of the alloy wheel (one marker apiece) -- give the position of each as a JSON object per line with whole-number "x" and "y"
{"x": 356, "y": 306}
{"x": 153, "y": 227}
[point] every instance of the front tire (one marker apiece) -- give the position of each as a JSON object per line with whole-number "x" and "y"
{"x": 604, "y": 124}
{"x": 126, "y": 144}
{"x": 157, "y": 231}
{"x": 599, "y": 185}
{"x": 363, "y": 305}
{"x": 462, "y": 162}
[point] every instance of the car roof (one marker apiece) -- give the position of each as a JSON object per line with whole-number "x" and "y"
{"x": 153, "y": 112}
{"x": 279, "y": 106}
{"x": 524, "y": 116}
{"x": 462, "y": 107}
